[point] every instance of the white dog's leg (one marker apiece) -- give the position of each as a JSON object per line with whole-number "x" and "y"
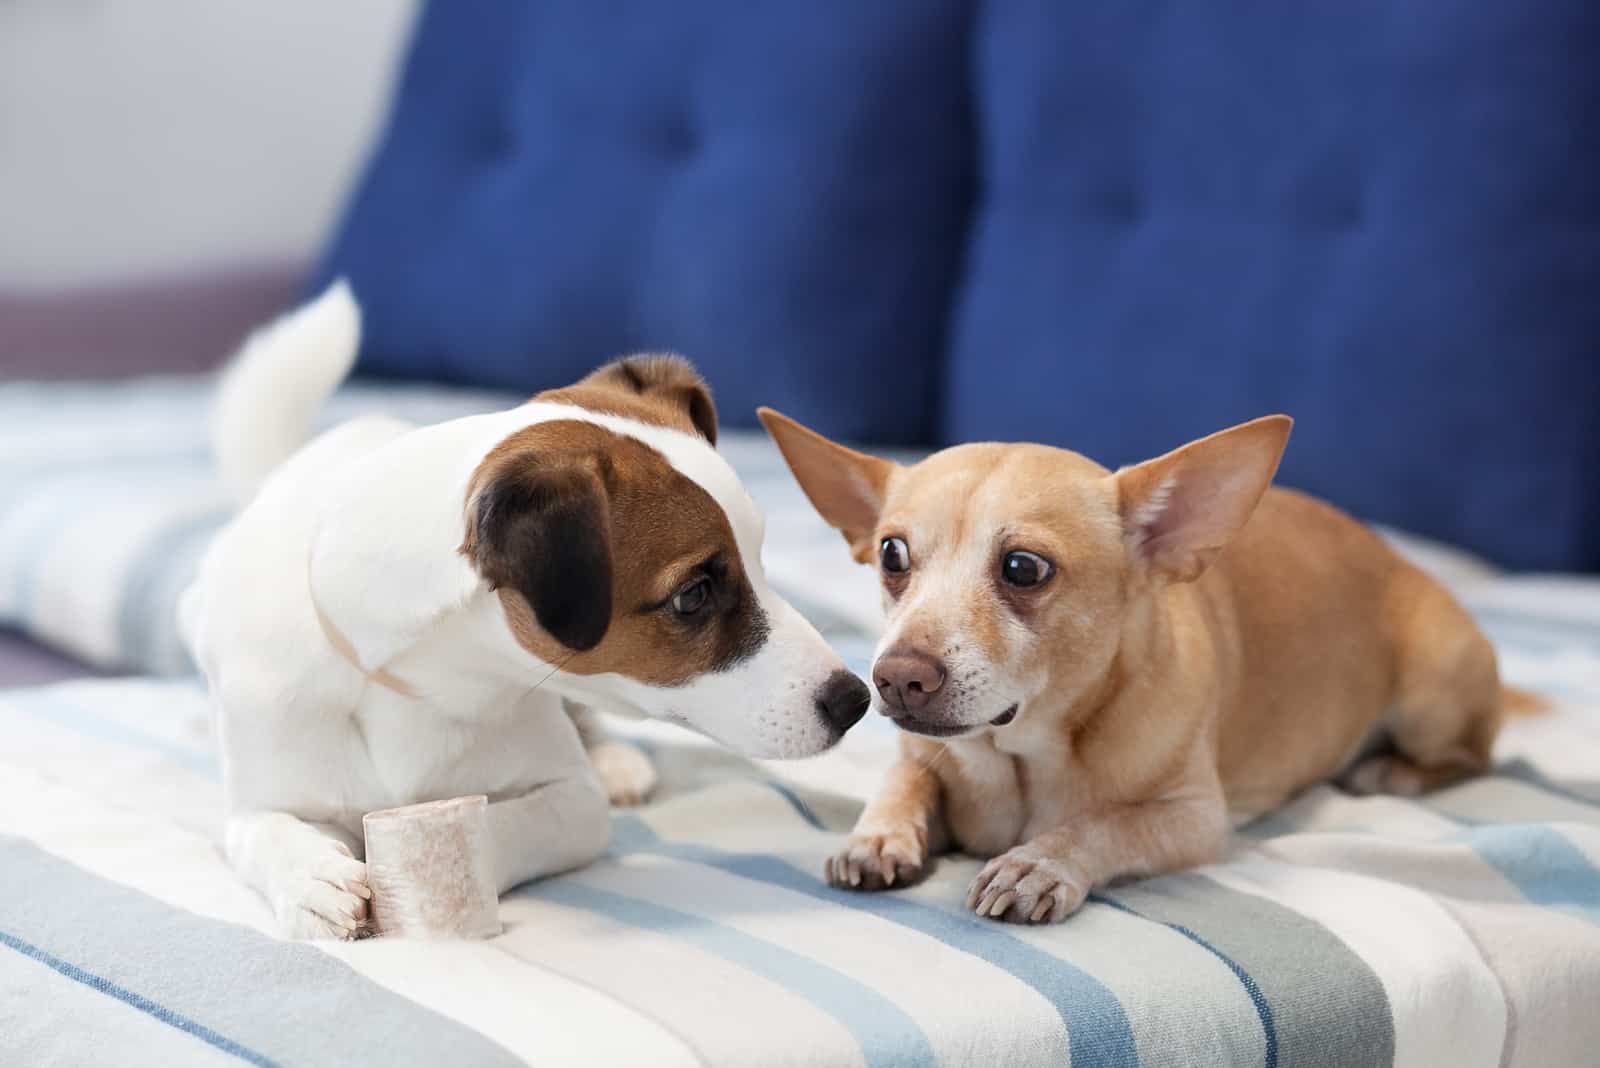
{"x": 624, "y": 769}
{"x": 316, "y": 887}
{"x": 556, "y": 827}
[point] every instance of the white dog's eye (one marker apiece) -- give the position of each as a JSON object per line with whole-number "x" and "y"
{"x": 1022, "y": 568}
{"x": 692, "y": 598}
{"x": 894, "y": 554}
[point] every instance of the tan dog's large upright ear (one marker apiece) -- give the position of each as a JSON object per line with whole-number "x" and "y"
{"x": 845, "y": 487}
{"x": 544, "y": 532}
{"x": 665, "y": 378}
{"x": 1179, "y": 510}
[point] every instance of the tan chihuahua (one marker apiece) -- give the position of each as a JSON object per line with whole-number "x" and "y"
{"x": 1096, "y": 672}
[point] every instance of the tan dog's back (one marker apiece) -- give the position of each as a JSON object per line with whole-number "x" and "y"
{"x": 1325, "y": 629}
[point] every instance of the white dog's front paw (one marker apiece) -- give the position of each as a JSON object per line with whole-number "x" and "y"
{"x": 322, "y": 893}
{"x": 625, "y": 771}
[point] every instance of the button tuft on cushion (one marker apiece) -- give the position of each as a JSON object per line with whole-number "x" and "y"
{"x": 496, "y": 139}
{"x": 676, "y": 139}
{"x": 1122, "y": 205}
{"x": 1348, "y": 212}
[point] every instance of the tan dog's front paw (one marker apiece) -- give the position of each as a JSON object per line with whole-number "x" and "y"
{"x": 625, "y": 771}
{"x": 1020, "y": 886}
{"x": 878, "y": 861}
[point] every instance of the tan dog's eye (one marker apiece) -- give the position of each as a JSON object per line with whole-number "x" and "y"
{"x": 692, "y": 598}
{"x": 895, "y": 555}
{"x": 1024, "y": 569}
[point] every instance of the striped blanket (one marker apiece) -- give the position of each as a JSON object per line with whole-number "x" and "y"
{"x": 1460, "y": 930}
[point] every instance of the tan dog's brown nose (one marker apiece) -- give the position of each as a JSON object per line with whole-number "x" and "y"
{"x": 907, "y": 678}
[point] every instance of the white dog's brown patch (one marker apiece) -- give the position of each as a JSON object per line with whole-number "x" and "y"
{"x": 608, "y": 559}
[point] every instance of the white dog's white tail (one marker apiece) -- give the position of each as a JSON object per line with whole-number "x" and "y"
{"x": 277, "y": 384}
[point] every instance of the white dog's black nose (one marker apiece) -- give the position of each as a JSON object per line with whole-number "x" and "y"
{"x": 843, "y": 700}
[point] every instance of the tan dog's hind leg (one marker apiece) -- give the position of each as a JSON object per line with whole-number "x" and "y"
{"x": 897, "y": 833}
{"x": 1447, "y": 704}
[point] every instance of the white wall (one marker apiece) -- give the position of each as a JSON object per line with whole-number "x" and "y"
{"x": 147, "y": 137}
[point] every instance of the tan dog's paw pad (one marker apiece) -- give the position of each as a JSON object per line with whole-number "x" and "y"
{"x": 1384, "y": 774}
{"x": 326, "y": 897}
{"x": 877, "y": 861}
{"x": 1021, "y": 887}
{"x": 625, "y": 771}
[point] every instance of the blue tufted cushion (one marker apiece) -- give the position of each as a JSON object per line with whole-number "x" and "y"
{"x": 776, "y": 190}
{"x": 1380, "y": 217}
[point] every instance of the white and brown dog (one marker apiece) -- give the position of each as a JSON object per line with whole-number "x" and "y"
{"x": 400, "y": 613}
{"x": 1094, "y": 671}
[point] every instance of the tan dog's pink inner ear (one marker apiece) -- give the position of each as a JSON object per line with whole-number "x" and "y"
{"x": 1179, "y": 510}
{"x": 845, "y": 487}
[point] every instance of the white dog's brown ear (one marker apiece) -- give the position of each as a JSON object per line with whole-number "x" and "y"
{"x": 844, "y": 486}
{"x": 1179, "y": 510}
{"x": 544, "y": 533}
{"x": 665, "y": 378}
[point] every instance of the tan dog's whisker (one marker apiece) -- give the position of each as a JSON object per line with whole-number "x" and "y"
{"x": 944, "y": 751}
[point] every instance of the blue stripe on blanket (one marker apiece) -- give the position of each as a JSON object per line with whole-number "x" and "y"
{"x": 1523, "y": 771}
{"x": 50, "y": 703}
{"x": 1547, "y": 868}
{"x": 1251, "y": 987}
{"x": 49, "y": 471}
{"x": 53, "y": 506}
{"x": 1312, "y": 985}
{"x": 151, "y": 586}
{"x": 1528, "y": 628}
{"x": 283, "y": 1001}
{"x": 1098, "y": 1030}
{"x": 888, "y": 1037}
{"x": 138, "y": 1001}
{"x": 796, "y": 802}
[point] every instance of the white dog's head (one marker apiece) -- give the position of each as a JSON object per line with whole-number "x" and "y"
{"x": 626, "y": 555}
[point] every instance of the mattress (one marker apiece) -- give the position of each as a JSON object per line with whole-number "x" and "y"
{"x": 1460, "y": 929}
